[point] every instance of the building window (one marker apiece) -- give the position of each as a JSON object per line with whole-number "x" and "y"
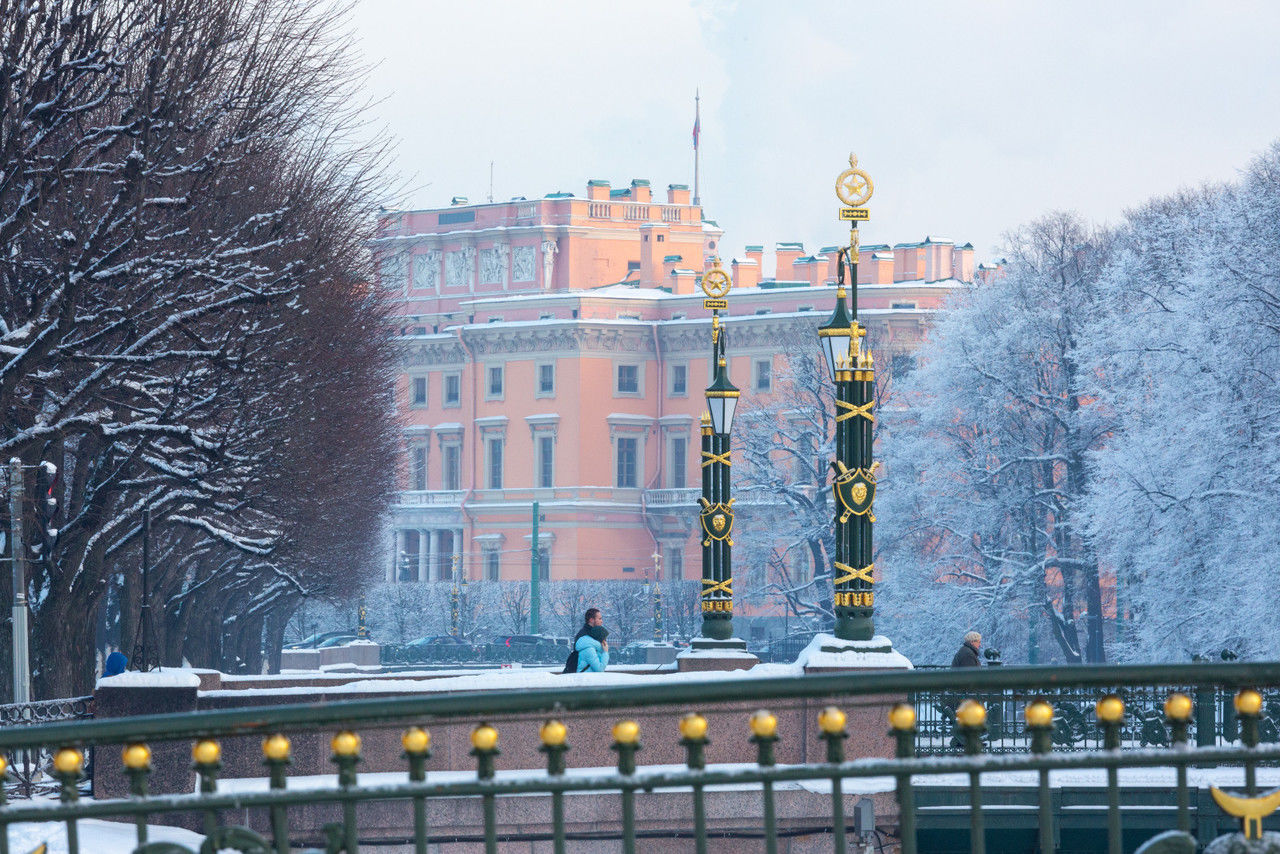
{"x": 679, "y": 381}
{"x": 677, "y": 472}
{"x": 494, "y": 446}
{"x": 453, "y": 389}
{"x": 546, "y": 461}
{"x": 418, "y": 467}
{"x": 544, "y": 564}
{"x": 627, "y": 454}
{"x": 546, "y": 380}
{"x": 417, "y": 391}
{"x": 762, "y": 375}
{"x": 628, "y": 379}
{"x": 494, "y": 385}
{"x": 453, "y": 467}
{"x": 628, "y": 569}
{"x": 764, "y": 311}
{"x": 901, "y": 365}
{"x": 903, "y": 305}
{"x": 492, "y": 566}
{"x": 675, "y": 564}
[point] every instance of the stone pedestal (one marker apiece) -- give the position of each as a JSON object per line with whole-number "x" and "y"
{"x": 711, "y": 654}
{"x": 830, "y": 654}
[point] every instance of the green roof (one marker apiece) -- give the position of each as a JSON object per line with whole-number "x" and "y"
{"x": 597, "y": 182}
{"x": 558, "y": 194}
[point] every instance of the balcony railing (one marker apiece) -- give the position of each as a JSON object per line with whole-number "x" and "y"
{"x": 755, "y": 775}
{"x": 671, "y": 497}
{"x": 432, "y": 498}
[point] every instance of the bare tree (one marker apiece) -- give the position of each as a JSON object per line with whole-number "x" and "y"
{"x": 179, "y": 198}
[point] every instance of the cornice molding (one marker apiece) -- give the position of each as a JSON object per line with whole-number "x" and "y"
{"x": 444, "y": 351}
{"x": 581, "y": 337}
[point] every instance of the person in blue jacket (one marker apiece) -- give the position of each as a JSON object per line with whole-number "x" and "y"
{"x": 115, "y": 664}
{"x": 591, "y": 644}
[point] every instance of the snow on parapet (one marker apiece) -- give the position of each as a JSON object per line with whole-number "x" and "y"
{"x": 875, "y": 654}
{"x": 152, "y": 679}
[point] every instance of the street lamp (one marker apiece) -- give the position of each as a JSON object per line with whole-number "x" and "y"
{"x": 853, "y": 374}
{"x": 716, "y": 518}
{"x": 836, "y": 335}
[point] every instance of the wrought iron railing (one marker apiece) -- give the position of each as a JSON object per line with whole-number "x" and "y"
{"x": 757, "y": 771}
{"x": 1145, "y": 724}
{"x": 30, "y": 772}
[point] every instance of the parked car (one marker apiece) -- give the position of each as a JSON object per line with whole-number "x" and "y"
{"x": 337, "y": 640}
{"x": 434, "y": 649}
{"x": 646, "y": 652}
{"x": 318, "y": 638}
{"x": 528, "y": 649}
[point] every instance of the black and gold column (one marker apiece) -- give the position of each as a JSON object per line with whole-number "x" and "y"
{"x": 716, "y": 518}
{"x": 853, "y": 372}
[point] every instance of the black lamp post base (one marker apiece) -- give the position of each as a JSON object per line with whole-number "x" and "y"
{"x": 706, "y": 654}
{"x": 717, "y": 629}
{"x": 850, "y": 627}
{"x": 701, "y": 644}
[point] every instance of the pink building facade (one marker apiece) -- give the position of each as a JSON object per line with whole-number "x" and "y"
{"x": 555, "y": 351}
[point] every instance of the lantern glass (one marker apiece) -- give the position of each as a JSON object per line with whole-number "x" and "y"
{"x": 835, "y": 336}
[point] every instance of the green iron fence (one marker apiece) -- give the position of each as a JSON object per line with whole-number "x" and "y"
{"x": 222, "y": 813}
{"x": 1145, "y": 723}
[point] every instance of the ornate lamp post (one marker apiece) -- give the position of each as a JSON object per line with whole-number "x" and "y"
{"x": 657, "y": 596}
{"x": 853, "y": 373}
{"x": 716, "y": 518}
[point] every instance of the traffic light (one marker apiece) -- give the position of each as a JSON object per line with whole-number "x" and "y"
{"x": 48, "y": 481}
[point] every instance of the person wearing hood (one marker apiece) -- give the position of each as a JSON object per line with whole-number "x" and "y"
{"x": 115, "y": 664}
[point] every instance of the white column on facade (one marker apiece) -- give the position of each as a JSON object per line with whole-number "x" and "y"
{"x": 424, "y": 556}
{"x": 402, "y": 546}
{"x": 433, "y": 567}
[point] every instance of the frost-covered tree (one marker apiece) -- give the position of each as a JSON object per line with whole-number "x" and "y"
{"x": 985, "y": 467}
{"x": 1188, "y": 359}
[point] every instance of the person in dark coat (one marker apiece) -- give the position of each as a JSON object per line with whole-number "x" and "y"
{"x": 968, "y": 654}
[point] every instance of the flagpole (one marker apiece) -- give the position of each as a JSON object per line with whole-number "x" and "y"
{"x": 697, "y": 128}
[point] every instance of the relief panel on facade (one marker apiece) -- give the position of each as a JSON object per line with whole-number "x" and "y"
{"x": 493, "y": 265}
{"x": 523, "y": 259}
{"x": 458, "y": 268}
{"x": 426, "y": 270}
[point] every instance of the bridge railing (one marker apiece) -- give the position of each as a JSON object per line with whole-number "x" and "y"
{"x": 1145, "y": 723}
{"x": 756, "y": 741}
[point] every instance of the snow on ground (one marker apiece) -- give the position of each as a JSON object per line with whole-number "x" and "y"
{"x": 321, "y": 782}
{"x": 96, "y": 836}
{"x": 518, "y": 679}
{"x": 1223, "y": 778}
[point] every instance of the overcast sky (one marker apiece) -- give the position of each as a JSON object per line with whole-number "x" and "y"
{"x": 970, "y": 117}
